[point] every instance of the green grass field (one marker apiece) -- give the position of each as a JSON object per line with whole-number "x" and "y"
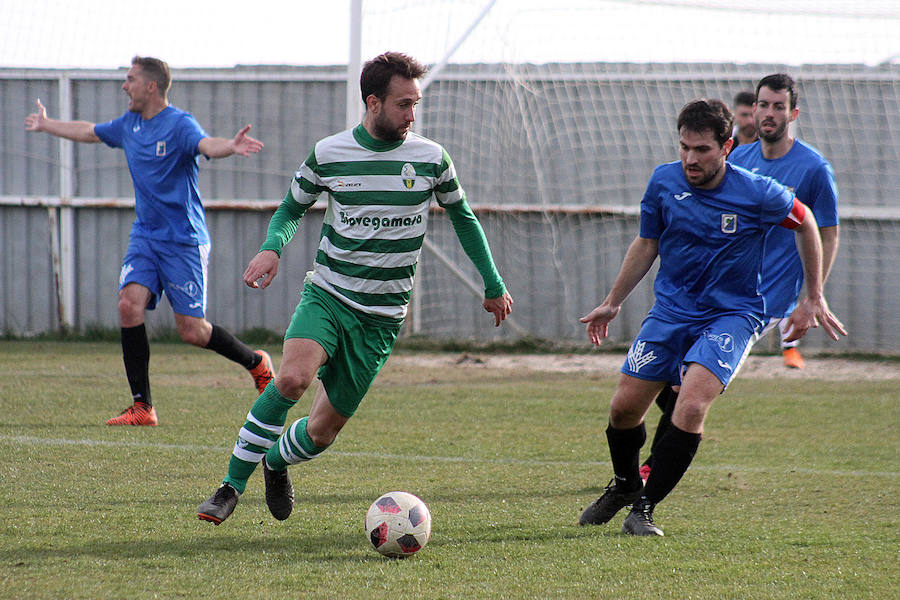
{"x": 793, "y": 494}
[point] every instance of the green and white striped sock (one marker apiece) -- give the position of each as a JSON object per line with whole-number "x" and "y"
{"x": 265, "y": 422}
{"x": 295, "y": 446}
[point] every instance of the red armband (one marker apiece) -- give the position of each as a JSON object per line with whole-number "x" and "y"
{"x": 796, "y": 216}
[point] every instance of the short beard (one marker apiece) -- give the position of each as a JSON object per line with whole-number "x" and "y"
{"x": 387, "y": 134}
{"x": 775, "y": 136}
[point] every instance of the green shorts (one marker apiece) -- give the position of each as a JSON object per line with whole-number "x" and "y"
{"x": 357, "y": 345}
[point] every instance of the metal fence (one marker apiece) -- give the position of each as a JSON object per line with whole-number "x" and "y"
{"x": 554, "y": 158}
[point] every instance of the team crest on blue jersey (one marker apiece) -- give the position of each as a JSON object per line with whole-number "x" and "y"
{"x": 161, "y": 148}
{"x": 729, "y": 223}
{"x": 408, "y": 173}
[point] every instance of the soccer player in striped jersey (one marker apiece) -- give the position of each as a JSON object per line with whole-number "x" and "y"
{"x": 380, "y": 179}
{"x": 706, "y": 220}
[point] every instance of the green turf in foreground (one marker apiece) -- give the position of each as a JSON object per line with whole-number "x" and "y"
{"x": 793, "y": 493}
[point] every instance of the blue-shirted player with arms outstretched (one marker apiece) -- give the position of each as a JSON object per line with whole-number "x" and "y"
{"x": 168, "y": 250}
{"x": 706, "y": 220}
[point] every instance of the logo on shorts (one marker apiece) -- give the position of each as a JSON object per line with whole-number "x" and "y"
{"x": 190, "y": 288}
{"x": 408, "y": 174}
{"x": 729, "y": 223}
{"x": 724, "y": 340}
{"x": 126, "y": 271}
{"x": 161, "y": 148}
{"x": 637, "y": 358}
{"x": 724, "y": 365}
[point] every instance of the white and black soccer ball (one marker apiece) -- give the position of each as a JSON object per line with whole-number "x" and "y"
{"x": 398, "y": 524}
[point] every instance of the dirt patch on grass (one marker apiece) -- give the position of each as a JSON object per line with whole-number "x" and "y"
{"x": 755, "y": 367}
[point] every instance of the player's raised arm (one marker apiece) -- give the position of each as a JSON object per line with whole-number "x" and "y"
{"x": 241, "y": 143}
{"x": 77, "y": 131}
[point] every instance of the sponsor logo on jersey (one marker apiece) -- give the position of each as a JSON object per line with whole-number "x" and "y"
{"x": 347, "y": 184}
{"x": 161, "y": 148}
{"x": 377, "y": 223}
{"x": 682, "y": 195}
{"x": 729, "y": 223}
{"x": 408, "y": 174}
{"x": 637, "y": 357}
{"x": 724, "y": 340}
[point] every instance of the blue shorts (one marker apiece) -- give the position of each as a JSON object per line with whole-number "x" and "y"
{"x": 665, "y": 344}
{"x": 179, "y": 270}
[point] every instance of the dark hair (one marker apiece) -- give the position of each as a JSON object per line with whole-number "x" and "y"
{"x": 777, "y": 83}
{"x": 155, "y": 70}
{"x": 377, "y": 73}
{"x": 744, "y": 98}
{"x": 707, "y": 115}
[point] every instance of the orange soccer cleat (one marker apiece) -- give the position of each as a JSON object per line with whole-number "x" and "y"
{"x": 136, "y": 414}
{"x": 263, "y": 372}
{"x": 793, "y": 358}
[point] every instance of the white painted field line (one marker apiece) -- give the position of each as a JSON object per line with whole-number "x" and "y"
{"x": 26, "y": 440}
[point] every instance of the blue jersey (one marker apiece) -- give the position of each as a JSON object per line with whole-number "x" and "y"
{"x": 162, "y": 156}
{"x": 710, "y": 241}
{"x": 805, "y": 172}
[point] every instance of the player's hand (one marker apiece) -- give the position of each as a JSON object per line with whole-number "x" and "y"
{"x": 35, "y": 121}
{"x": 500, "y": 307}
{"x": 243, "y": 144}
{"x": 812, "y": 313}
{"x": 263, "y": 266}
{"x": 598, "y": 322}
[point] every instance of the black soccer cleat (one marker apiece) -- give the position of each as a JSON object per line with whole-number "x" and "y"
{"x": 640, "y": 520}
{"x": 219, "y": 506}
{"x": 606, "y": 506}
{"x": 279, "y": 492}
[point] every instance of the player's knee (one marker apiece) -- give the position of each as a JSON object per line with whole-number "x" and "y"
{"x": 292, "y": 384}
{"x": 192, "y": 334}
{"x": 129, "y": 311}
{"x": 623, "y": 416}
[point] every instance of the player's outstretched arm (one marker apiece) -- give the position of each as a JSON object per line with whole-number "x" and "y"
{"x": 77, "y": 131}
{"x": 500, "y": 307}
{"x": 241, "y": 143}
{"x": 638, "y": 260}
{"x": 263, "y": 266}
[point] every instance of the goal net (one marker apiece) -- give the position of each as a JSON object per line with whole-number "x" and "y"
{"x": 556, "y": 113}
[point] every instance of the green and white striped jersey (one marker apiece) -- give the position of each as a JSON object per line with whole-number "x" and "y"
{"x": 379, "y": 195}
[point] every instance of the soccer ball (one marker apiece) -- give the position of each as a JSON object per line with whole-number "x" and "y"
{"x": 398, "y": 524}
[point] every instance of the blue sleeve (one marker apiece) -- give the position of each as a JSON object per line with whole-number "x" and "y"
{"x": 110, "y": 133}
{"x": 189, "y": 134}
{"x": 778, "y": 201}
{"x": 651, "y": 212}
{"x": 824, "y": 196}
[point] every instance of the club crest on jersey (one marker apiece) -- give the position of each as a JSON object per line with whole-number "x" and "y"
{"x": 161, "y": 148}
{"x": 408, "y": 173}
{"x": 729, "y": 223}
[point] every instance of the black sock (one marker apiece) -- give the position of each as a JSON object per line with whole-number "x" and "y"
{"x": 136, "y": 356}
{"x": 670, "y": 462}
{"x": 625, "y": 453}
{"x": 666, "y": 401}
{"x": 224, "y": 342}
